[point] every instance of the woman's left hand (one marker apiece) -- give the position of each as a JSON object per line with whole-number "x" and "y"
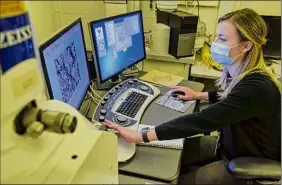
{"x": 129, "y": 135}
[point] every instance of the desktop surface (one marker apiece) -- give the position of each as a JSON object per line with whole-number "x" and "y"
{"x": 149, "y": 161}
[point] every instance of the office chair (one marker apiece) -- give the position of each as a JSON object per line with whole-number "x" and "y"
{"x": 256, "y": 169}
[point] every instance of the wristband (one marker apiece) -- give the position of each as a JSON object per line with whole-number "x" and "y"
{"x": 144, "y": 135}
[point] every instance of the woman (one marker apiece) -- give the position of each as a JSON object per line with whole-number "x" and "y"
{"x": 246, "y": 112}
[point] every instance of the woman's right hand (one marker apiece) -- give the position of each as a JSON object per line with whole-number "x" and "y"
{"x": 129, "y": 135}
{"x": 189, "y": 93}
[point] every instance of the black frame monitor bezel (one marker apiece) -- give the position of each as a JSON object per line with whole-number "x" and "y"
{"x": 51, "y": 40}
{"x": 95, "y": 50}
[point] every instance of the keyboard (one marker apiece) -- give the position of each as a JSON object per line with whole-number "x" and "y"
{"x": 126, "y": 103}
{"x": 132, "y": 104}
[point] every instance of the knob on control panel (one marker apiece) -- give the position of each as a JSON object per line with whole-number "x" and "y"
{"x": 103, "y": 103}
{"x": 144, "y": 88}
{"x": 111, "y": 92}
{"x": 106, "y": 98}
{"x": 116, "y": 87}
{"x": 121, "y": 119}
{"x": 103, "y": 112}
{"x": 135, "y": 80}
{"x": 101, "y": 118}
{"x": 130, "y": 81}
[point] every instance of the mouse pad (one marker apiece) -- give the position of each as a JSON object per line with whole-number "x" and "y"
{"x": 174, "y": 103}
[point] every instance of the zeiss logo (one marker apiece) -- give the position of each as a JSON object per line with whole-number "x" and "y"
{"x": 14, "y": 37}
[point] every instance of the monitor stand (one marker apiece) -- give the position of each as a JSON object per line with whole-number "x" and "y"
{"x": 108, "y": 84}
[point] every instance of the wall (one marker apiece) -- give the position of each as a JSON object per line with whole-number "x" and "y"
{"x": 67, "y": 11}
{"x": 262, "y": 7}
{"x": 49, "y": 16}
{"x": 149, "y": 17}
{"x": 208, "y": 13}
{"x": 41, "y": 15}
{"x": 115, "y": 9}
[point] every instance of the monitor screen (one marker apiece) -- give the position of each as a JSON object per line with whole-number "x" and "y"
{"x": 272, "y": 49}
{"x": 118, "y": 43}
{"x": 64, "y": 64}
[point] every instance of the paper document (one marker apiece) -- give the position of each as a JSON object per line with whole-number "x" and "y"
{"x": 162, "y": 78}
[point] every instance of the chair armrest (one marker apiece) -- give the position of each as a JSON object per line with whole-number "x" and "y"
{"x": 255, "y": 168}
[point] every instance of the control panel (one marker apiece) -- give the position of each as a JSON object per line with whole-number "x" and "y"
{"x": 125, "y": 103}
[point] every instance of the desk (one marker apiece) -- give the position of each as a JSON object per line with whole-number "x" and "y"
{"x": 126, "y": 179}
{"x": 201, "y": 70}
{"x": 167, "y": 63}
{"x": 168, "y": 58}
{"x": 153, "y": 162}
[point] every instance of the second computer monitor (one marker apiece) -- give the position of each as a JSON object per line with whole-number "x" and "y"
{"x": 64, "y": 64}
{"x": 118, "y": 43}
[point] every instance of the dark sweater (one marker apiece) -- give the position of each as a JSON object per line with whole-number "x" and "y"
{"x": 249, "y": 119}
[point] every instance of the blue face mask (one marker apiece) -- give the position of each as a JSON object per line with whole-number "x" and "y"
{"x": 220, "y": 53}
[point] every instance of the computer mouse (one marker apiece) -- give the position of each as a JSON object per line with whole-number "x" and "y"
{"x": 176, "y": 93}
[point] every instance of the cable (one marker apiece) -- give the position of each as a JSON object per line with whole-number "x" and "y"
{"x": 86, "y": 99}
{"x": 124, "y": 75}
{"x": 147, "y": 32}
{"x": 143, "y": 65}
{"x": 94, "y": 92}
{"x": 93, "y": 98}
{"x": 193, "y": 8}
{"x": 142, "y": 68}
{"x": 198, "y": 9}
{"x": 88, "y": 107}
{"x": 135, "y": 66}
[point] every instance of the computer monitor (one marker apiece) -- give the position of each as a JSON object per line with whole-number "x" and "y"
{"x": 64, "y": 65}
{"x": 118, "y": 43}
{"x": 272, "y": 49}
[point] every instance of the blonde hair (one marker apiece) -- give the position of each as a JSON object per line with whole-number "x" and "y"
{"x": 251, "y": 27}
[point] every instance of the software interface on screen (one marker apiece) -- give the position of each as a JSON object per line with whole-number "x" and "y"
{"x": 119, "y": 43}
{"x": 66, "y": 66}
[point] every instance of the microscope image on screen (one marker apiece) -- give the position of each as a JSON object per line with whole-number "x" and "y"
{"x": 68, "y": 71}
{"x": 64, "y": 63}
